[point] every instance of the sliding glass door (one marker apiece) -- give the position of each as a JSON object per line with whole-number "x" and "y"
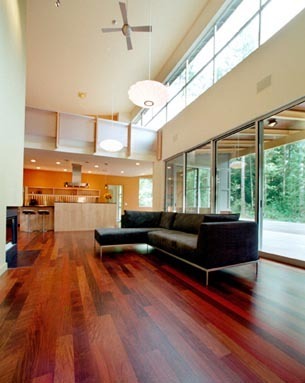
{"x": 284, "y": 184}
{"x": 198, "y": 180}
{"x": 174, "y": 184}
{"x": 236, "y": 173}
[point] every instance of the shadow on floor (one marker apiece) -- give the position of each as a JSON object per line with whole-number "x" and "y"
{"x": 24, "y": 259}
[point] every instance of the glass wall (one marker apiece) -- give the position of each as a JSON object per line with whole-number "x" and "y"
{"x": 174, "y": 185}
{"x": 198, "y": 180}
{"x": 284, "y": 184}
{"x": 281, "y": 180}
{"x": 236, "y": 173}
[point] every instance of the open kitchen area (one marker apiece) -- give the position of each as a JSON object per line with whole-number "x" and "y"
{"x": 75, "y": 206}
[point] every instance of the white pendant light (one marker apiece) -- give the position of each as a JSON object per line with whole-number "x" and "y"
{"x": 148, "y": 94}
{"x": 111, "y": 145}
{"x": 237, "y": 164}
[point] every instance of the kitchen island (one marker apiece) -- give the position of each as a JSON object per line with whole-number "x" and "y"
{"x": 83, "y": 216}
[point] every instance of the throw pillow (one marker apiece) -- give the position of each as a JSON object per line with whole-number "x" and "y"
{"x": 167, "y": 219}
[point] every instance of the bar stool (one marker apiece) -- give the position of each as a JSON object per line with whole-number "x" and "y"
{"x": 28, "y": 214}
{"x": 43, "y": 213}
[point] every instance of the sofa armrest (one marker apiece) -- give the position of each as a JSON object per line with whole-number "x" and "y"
{"x": 227, "y": 243}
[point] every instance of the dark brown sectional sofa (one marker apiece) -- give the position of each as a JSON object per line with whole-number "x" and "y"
{"x": 206, "y": 241}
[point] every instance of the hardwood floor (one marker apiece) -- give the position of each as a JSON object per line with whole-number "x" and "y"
{"x": 137, "y": 317}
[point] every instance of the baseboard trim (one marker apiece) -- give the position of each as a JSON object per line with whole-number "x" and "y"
{"x": 3, "y": 268}
{"x": 282, "y": 259}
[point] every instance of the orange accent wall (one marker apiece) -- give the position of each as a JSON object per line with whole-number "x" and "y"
{"x": 43, "y": 178}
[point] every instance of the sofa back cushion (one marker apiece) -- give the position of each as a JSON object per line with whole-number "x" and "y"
{"x": 220, "y": 217}
{"x": 188, "y": 222}
{"x": 167, "y": 219}
{"x": 133, "y": 218}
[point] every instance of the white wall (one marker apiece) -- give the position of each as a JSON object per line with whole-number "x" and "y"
{"x": 12, "y": 110}
{"x": 234, "y": 100}
{"x": 158, "y": 185}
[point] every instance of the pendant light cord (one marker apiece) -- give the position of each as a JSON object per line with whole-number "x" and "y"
{"x": 149, "y": 45}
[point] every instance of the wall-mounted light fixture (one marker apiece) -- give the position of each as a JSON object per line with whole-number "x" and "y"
{"x": 272, "y": 122}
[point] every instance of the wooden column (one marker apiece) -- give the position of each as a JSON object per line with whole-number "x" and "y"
{"x": 57, "y": 130}
{"x": 159, "y": 145}
{"x": 128, "y": 150}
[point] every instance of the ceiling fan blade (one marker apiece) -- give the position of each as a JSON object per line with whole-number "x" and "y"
{"x": 129, "y": 45}
{"x": 106, "y": 30}
{"x": 144, "y": 28}
{"x": 123, "y": 12}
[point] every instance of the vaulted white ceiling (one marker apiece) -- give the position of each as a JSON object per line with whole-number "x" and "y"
{"x": 67, "y": 53}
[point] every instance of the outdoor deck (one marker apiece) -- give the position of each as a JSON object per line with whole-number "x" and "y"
{"x": 285, "y": 239}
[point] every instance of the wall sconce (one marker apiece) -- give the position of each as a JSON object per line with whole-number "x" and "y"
{"x": 272, "y": 122}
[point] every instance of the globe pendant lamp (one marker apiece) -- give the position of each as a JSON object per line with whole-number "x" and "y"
{"x": 237, "y": 164}
{"x": 111, "y": 145}
{"x": 148, "y": 94}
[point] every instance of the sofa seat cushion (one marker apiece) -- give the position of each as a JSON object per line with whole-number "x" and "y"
{"x": 118, "y": 236}
{"x": 182, "y": 244}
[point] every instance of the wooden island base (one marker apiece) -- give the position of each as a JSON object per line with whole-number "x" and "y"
{"x": 83, "y": 216}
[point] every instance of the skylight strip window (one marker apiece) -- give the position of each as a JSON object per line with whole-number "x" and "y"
{"x": 241, "y": 28}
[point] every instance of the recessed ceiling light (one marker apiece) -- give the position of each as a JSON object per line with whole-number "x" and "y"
{"x": 57, "y": 162}
{"x": 82, "y": 95}
{"x": 32, "y": 160}
{"x": 37, "y": 167}
{"x": 122, "y": 171}
{"x": 89, "y": 171}
{"x": 65, "y": 170}
{"x": 96, "y": 166}
{"x": 137, "y": 163}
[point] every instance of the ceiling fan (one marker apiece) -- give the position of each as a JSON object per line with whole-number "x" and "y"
{"x": 126, "y": 28}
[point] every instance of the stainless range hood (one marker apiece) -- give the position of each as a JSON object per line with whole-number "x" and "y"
{"x": 76, "y": 178}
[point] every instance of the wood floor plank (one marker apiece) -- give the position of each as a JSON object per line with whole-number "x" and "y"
{"x": 254, "y": 343}
{"x": 135, "y": 317}
{"x": 64, "y": 365}
{"x": 47, "y": 378}
{"x": 119, "y": 368}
